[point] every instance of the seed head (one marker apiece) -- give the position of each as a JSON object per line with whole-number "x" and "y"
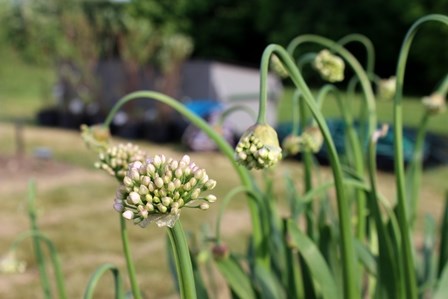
{"x": 386, "y": 88}
{"x": 96, "y": 137}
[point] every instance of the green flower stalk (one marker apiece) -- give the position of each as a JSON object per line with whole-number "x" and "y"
{"x": 329, "y": 66}
{"x": 258, "y": 147}
{"x": 157, "y": 190}
{"x": 435, "y": 103}
{"x": 115, "y": 160}
{"x": 386, "y": 88}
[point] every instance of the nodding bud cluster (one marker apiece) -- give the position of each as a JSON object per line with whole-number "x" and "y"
{"x": 292, "y": 145}
{"x": 115, "y": 160}
{"x": 329, "y": 66}
{"x": 9, "y": 264}
{"x": 96, "y": 137}
{"x": 278, "y": 67}
{"x": 310, "y": 140}
{"x": 386, "y": 88}
{"x": 258, "y": 147}
{"x": 156, "y": 190}
{"x": 435, "y": 103}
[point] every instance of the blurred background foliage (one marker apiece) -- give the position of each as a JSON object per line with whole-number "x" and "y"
{"x": 141, "y": 31}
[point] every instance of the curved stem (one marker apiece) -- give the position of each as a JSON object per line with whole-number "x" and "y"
{"x": 410, "y": 276}
{"x": 258, "y": 234}
{"x": 236, "y": 108}
{"x": 182, "y": 259}
{"x": 357, "y": 68}
{"x": 94, "y": 279}
{"x": 367, "y": 43}
{"x": 36, "y": 235}
{"x": 347, "y": 248}
{"x": 128, "y": 257}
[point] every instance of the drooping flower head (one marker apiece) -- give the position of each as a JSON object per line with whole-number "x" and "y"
{"x": 292, "y": 145}
{"x": 115, "y": 160}
{"x": 96, "y": 137}
{"x": 258, "y": 147}
{"x": 310, "y": 140}
{"x": 434, "y": 103}
{"x": 10, "y": 264}
{"x": 386, "y": 88}
{"x": 329, "y": 66}
{"x": 156, "y": 190}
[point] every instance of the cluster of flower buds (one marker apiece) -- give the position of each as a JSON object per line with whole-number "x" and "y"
{"x": 96, "y": 137}
{"x": 329, "y": 66}
{"x": 116, "y": 159}
{"x": 258, "y": 147}
{"x": 157, "y": 189}
{"x": 278, "y": 67}
{"x": 386, "y": 88}
{"x": 310, "y": 140}
{"x": 10, "y": 264}
{"x": 435, "y": 103}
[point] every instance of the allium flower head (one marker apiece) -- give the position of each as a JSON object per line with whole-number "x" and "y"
{"x": 329, "y": 66}
{"x": 435, "y": 103}
{"x": 116, "y": 159}
{"x": 278, "y": 67}
{"x": 292, "y": 145}
{"x": 386, "y": 88}
{"x": 96, "y": 137}
{"x": 157, "y": 189}
{"x": 258, "y": 147}
{"x": 10, "y": 264}
{"x": 311, "y": 139}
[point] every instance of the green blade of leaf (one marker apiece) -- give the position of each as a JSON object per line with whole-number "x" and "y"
{"x": 313, "y": 258}
{"x": 237, "y": 279}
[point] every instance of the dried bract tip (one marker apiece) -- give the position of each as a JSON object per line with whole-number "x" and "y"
{"x": 278, "y": 67}
{"x": 329, "y": 66}
{"x": 95, "y": 137}
{"x": 258, "y": 147}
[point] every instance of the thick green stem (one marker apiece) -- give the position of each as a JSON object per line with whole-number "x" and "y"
{"x": 355, "y": 151}
{"x": 408, "y": 260}
{"x": 414, "y": 171}
{"x": 350, "y": 279}
{"x": 36, "y": 243}
{"x": 128, "y": 257}
{"x": 182, "y": 259}
{"x": 258, "y": 234}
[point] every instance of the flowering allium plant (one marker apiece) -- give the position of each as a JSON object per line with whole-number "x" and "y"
{"x": 157, "y": 189}
{"x": 434, "y": 103}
